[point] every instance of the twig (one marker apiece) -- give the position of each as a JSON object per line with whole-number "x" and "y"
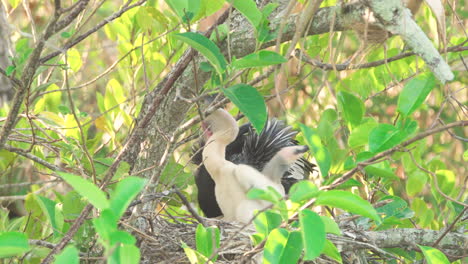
{"x": 189, "y": 207}
{"x": 420, "y": 136}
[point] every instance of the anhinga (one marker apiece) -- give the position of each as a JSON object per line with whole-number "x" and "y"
{"x": 269, "y": 159}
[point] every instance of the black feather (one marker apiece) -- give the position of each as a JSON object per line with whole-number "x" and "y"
{"x": 255, "y": 150}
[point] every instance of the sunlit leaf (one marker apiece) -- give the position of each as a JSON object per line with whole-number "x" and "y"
{"x": 249, "y": 9}
{"x": 312, "y": 226}
{"x": 303, "y": 191}
{"x": 207, "y": 240}
{"x": 259, "y": 59}
{"x": 414, "y": 93}
{"x": 351, "y": 107}
{"x": 283, "y": 247}
{"x": 348, "y": 202}
{"x": 68, "y": 256}
{"x": 250, "y": 102}
{"x": 321, "y": 154}
{"x": 87, "y": 189}
{"x": 433, "y": 255}
{"x": 74, "y": 59}
{"x": 12, "y": 244}
{"x": 205, "y": 47}
{"x": 126, "y": 191}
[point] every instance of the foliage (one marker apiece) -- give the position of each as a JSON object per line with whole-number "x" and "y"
{"x": 387, "y": 138}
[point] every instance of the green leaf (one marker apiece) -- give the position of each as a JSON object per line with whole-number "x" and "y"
{"x": 105, "y": 224}
{"x": 268, "y": 194}
{"x": 66, "y": 34}
{"x": 74, "y": 59}
{"x": 360, "y": 135}
{"x": 312, "y": 226}
{"x": 282, "y": 247}
{"x": 86, "y": 189}
{"x": 387, "y": 173}
{"x": 330, "y": 225}
{"x": 207, "y": 240}
{"x": 259, "y": 59}
{"x": 73, "y": 204}
{"x": 303, "y": 191}
{"x": 321, "y": 154}
{"x": 205, "y": 47}
{"x": 121, "y": 237}
{"x": 10, "y": 69}
{"x": 48, "y": 208}
{"x": 12, "y": 244}
{"x": 433, "y": 255}
{"x": 414, "y": 93}
{"x": 348, "y": 202}
{"x": 351, "y": 107}
{"x": 267, "y": 221}
{"x": 125, "y": 192}
{"x": 384, "y": 137}
{"x": 124, "y": 253}
{"x": 185, "y": 9}
{"x": 416, "y": 182}
{"x": 68, "y": 256}
{"x": 194, "y": 256}
{"x": 249, "y": 9}
{"x": 331, "y": 251}
{"x": 250, "y": 102}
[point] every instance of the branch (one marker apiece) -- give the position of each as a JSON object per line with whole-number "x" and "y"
{"x": 363, "y": 164}
{"x": 394, "y": 17}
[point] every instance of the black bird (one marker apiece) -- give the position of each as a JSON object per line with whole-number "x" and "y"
{"x": 256, "y": 151}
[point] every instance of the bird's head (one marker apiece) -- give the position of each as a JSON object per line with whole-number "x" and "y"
{"x": 221, "y": 126}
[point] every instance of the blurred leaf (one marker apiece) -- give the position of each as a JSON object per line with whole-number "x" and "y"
{"x": 249, "y": 9}
{"x": 68, "y": 256}
{"x": 144, "y": 19}
{"x": 126, "y": 191}
{"x": 416, "y": 182}
{"x": 73, "y": 204}
{"x": 13, "y": 244}
{"x": 282, "y": 247}
{"x": 330, "y": 225}
{"x": 66, "y": 34}
{"x": 14, "y": 3}
{"x": 121, "y": 237}
{"x": 250, "y": 102}
{"x": 185, "y": 9}
{"x": 321, "y": 154}
{"x": 312, "y": 226}
{"x": 125, "y": 253}
{"x": 48, "y": 208}
{"x": 303, "y": 191}
{"x": 446, "y": 180}
{"x": 268, "y": 194}
{"x": 194, "y": 256}
{"x": 10, "y": 69}
{"x": 105, "y": 224}
{"x": 74, "y": 59}
{"x": 331, "y": 251}
{"x": 205, "y": 47}
{"x": 360, "y": 135}
{"x": 207, "y": 240}
{"x": 384, "y": 137}
{"x": 86, "y": 189}
{"x": 439, "y": 12}
{"x": 377, "y": 171}
{"x": 396, "y": 208}
{"x": 433, "y": 255}
{"x": 414, "y": 93}
{"x": 348, "y": 202}
{"x": 259, "y": 59}
{"x": 351, "y": 107}
{"x": 267, "y": 221}
{"x": 174, "y": 174}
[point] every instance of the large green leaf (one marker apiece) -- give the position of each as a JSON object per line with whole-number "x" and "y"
{"x": 249, "y": 9}
{"x": 303, "y": 191}
{"x": 321, "y": 154}
{"x": 250, "y": 102}
{"x": 359, "y": 135}
{"x": 12, "y": 244}
{"x": 433, "y": 255}
{"x": 312, "y": 227}
{"x": 331, "y": 251}
{"x": 414, "y": 93}
{"x": 207, "y": 240}
{"x": 86, "y": 189}
{"x": 386, "y": 136}
{"x": 351, "y": 107}
{"x": 68, "y": 256}
{"x": 348, "y": 202}
{"x": 206, "y": 47}
{"x": 125, "y": 253}
{"x": 48, "y": 208}
{"x": 259, "y": 59}
{"x": 282, "y": 247}
{"x": 125, "y": 192}
{"x": 267, "y": 221}
{"x": 185, "y": 9}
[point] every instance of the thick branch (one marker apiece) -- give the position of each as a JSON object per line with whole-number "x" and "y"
{"x": 394, "y": 17}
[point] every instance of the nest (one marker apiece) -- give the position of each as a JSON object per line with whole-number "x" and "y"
{"x": 163, "y": 238}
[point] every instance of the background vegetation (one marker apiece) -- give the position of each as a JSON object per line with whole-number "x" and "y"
{"x": 101, "y": 100}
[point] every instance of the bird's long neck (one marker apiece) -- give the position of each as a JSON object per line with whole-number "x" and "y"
{"x": 214, "y": 155}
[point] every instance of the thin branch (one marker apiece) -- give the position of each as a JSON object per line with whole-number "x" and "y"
{"x": 420, "y": 136}
{"x": 189, "y": 207}
{"x": 32, "y": 157}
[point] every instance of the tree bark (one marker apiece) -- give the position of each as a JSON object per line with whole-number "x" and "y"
{"x": 6, "y": 87}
